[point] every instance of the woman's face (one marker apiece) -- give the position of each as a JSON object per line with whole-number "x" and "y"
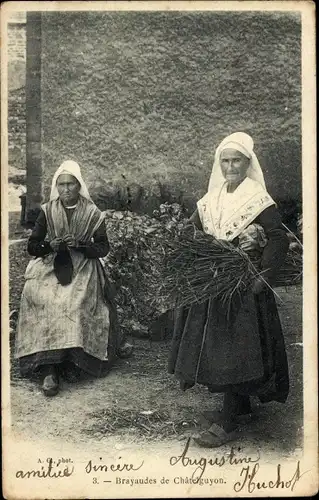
{"x": 68, "y": 189}
{"x": 234, "y": 166}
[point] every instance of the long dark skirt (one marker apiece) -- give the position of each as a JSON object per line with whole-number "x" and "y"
{"x": 241, "y": 349}
{"x": 30, "y": 366}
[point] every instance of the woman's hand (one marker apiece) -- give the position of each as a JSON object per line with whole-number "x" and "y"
{"x": 69, "y": 240}
{"x": 252, "y": 238}
{"x": 55, "y": 244}
{"x": 248, "y": 245}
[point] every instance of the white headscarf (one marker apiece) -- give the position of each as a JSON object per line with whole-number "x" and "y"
{"x": 244, "y": 144}
{"x": 224, "y": 215}
{"x": 72, "y": 168}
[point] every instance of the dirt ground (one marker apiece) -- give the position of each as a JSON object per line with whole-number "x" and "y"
{"x": 138, "y": 401}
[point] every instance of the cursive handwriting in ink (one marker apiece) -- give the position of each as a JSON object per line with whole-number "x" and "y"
{"x": 119, "y": 467}
{"x": 201, "y": 463}
{"x": 250, "y": 484}
{"x": 49, "y": 470}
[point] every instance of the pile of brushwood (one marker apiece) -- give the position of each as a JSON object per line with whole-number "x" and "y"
{"x": 158, "y": 262}
{"x": 135, "y": 263}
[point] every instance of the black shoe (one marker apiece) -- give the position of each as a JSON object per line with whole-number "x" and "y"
{"x": 71, "y": 373}
{"x": 51, "y": 385}
{"x": 125, "y": 351}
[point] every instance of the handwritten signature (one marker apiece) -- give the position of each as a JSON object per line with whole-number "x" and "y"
{"x": 118, "y": 467}
{"x": 248, "y": 476}
{"x": 250, "y": 484}
{"x": 200, "y": 464}
{"x": 51, "y": 470}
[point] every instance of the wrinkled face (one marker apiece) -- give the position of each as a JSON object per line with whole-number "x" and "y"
{"x": 68, "y": 189}
{"x": 234, "y": 165}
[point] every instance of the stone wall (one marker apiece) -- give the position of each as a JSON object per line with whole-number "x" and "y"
{"x": 17, "y": 41}
{"x": 142, "y": 99}
{"x": 16, "y": 92}
{"x": 17, "y": 128}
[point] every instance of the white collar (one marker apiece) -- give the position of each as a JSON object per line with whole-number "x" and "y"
{"x": 73, "y": 206}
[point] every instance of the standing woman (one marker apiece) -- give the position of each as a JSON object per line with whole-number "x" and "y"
{"x": 67, "y": 322}
{"x": 241, "y": 354}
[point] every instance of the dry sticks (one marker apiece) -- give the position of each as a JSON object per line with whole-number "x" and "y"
{"x": 198, "y": 267}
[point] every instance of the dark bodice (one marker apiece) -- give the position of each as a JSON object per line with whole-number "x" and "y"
{"x": 38, "y": 247}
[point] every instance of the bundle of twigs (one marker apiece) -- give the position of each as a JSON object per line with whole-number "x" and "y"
{"x": 291, "y": 271}
{"x": 198, "y": 267}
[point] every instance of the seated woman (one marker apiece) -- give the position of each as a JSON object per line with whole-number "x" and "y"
{"x": 67, "y": 322}
{"x": 242, "y": 353}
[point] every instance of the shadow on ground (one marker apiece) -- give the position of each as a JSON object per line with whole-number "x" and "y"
{"x": 138, "y": 399}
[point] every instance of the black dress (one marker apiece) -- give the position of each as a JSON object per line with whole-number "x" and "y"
{"x": 243, "y": 351}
